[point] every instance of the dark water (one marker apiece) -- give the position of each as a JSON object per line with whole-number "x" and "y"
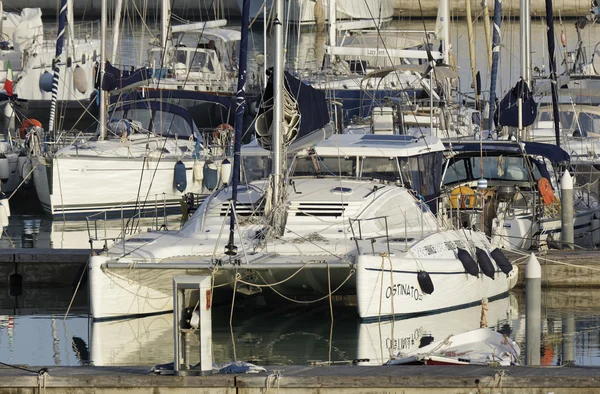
{"x": 279, "y": 335}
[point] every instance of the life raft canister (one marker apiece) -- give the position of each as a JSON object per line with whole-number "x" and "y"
{"x": 546, "y": 191}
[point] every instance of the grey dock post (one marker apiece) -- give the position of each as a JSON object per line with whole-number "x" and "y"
{"x": 568, "y": 339}
{"x": 201, "y": 320}
{"x": 533, "y": 310}
{"x": 567, "y": 233}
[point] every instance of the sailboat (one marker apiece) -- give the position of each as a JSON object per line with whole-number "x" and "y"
{"x": 37, "y": 59}
{"x": 354, "y": 216}
{"x": 148, "y": 153}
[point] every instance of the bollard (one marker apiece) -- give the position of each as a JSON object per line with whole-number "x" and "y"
{"x": 200, "y": 319}
{"x": 566, "y": 235}
{"x": 568, "y": 340}
{"x": 533, "y": 310}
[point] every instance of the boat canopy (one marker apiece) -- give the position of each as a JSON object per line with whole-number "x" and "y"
{"x": 555, "y": 154}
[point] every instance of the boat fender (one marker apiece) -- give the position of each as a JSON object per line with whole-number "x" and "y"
{"x": 485, "y": 263}
{"x": 4, "y": 168}
{"x": 27, "y": 168}
{"x": 80, "y": 79}
{"x": 198, "y": 171}
{"x": 180, "y": 182}
{"x": 5, "y": 203}
{"x": 425, "y": 282}
{"x": 3, "y": 217}
{"x": 503, "y": 263}
{"x": 46, "y": 82}
{"x": 225, "y": 171}
{"x": 20, "y": 163}
{"x": 211, "y": 176}
{"x": 468, "y": 262}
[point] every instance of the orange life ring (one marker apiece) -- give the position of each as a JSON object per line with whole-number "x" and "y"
{"x": 220, "y": 128}
{"x": 27, "y": 123}
{"x": 546, "y": 191}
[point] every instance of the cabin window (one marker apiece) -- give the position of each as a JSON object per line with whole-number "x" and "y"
{"x": 456, "y": 172}
{"x": 171, "y": 125}
{"x": 83, "y": 58}
{"x": 380, "y": 168}
{"x": 255, "y": 167}
{"x": 566, "y": 119}
{"x": 588, "y": 123}
{"x": 422, "y": 173}
{"x": 198, "y": 61}
{"x": 181, "y": 57}
{"x": 324, "y": 166}
{"x": 503, "y": 168}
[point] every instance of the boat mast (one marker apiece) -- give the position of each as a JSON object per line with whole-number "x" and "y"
{"x": 102, "y": 94}
{"x": 62, "y": 19}
{"x": 472, "y": 52}
{"x": 495, "y": 57}
{"x": 240, "y": 106}
{"x": 488, "y": 38}
{"x": 116, "y": 28}
{"x": 165, "y": 17}
{"x": 277, "y": 102}
{"x": 525, "y": 27}
{"x": 331, "y": 15}
{"x": 552, "y": 65}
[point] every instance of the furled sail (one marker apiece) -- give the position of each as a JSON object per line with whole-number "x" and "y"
{"x": 509, "y": 106}
{"x": 305, "y": 111}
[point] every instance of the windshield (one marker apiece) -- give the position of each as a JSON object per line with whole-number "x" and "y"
{"x": 492, "y": 168}
{"x": 324, "y": 166}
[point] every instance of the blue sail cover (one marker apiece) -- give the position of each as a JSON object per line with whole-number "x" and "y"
{"x": 312, "y": 105}
{"x": 115, "y": 78}
{"x": 509, "y": 106}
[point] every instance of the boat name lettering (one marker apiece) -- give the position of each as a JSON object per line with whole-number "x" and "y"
{"x": 403, "y": 289}
{"x": 375, "y": 52}
{"x": 403, "y": 343}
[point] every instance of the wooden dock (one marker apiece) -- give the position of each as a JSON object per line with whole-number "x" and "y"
{"x": 309, "y": 379}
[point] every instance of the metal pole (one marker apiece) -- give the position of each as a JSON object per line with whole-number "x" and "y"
{"x": 533, "y": 308}
{"x": 102, "y": 109}
{"x": 277, "y": 100}
{"x": 568, "y": 339}
{"x": 116, "y": 28}
{"x": 567, "y": 232}
{"x": 525, "y": 23}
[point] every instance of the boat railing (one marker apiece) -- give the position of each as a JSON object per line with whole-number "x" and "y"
{"x": 101, "y": 227}
{"x": 357, "y": 235}
{"x": 84, "y": 30}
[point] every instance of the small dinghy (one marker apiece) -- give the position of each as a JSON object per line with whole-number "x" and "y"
{"x": 482, "y": 346}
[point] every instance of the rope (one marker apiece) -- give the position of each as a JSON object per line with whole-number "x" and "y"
{"x": 352, "y": 271}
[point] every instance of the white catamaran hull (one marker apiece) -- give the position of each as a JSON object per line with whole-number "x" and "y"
{"x": 387, "y": 286}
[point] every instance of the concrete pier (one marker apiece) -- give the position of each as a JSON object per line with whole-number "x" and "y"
{"x": 191, "y": 9}
{"x": 309, "y": 379}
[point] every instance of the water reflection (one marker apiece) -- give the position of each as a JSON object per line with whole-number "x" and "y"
{"x": 272, "y": 335}
{"x": 297, "y": 335}
{"x": 40, "y": 231}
